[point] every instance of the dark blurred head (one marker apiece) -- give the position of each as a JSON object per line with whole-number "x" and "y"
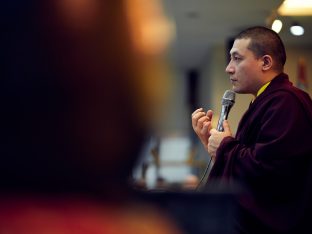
{"x": 74, "y": 102}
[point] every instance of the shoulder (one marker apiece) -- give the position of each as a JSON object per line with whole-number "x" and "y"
{"x": 283, "y": 107}
{"x": 286, "y": 95}
{"x": 280, "y": 86}
{"x": 293, "y": 98}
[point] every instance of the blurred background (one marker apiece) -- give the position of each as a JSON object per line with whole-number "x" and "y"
{"x": 201, "y": 32}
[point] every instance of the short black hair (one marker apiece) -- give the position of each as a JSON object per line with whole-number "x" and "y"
{"x": 265, "y": 41}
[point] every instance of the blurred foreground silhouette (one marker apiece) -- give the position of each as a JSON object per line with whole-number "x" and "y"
{"x": 80, "y": 90}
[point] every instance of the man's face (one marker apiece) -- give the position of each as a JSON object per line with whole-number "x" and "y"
{"x": 245, "y": 69}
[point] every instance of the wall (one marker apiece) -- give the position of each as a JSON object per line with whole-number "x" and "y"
{"x": 293, "y": 55}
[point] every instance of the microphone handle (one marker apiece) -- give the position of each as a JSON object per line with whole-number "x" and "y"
{"x": 223, "y": 116}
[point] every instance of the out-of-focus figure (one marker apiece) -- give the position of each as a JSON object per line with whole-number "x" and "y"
{"x": 83, "y": 82}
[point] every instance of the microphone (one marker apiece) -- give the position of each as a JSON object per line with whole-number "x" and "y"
{"x": 228, "y": 101}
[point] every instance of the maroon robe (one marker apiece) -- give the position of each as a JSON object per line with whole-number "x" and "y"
{"x": 271, "y": 159}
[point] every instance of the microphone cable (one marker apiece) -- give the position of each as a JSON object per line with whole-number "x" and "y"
{"x": 205, "y": 173}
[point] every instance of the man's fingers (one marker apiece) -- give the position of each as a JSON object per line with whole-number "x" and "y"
{"x": 202, "y": 121}
{"x": 196, "y": 116}
{"x": 212, "y": 131}
{"x": 204, "y": 130}
{"x": 226, "y": 127}
{"x": 197, "y": 110}
{"x": 209, "y": 114}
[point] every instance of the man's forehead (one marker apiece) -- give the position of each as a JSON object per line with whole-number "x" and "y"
{"x": 240, "y": 46}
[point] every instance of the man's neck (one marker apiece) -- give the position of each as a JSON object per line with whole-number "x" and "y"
{"x": 270, "y": 76}
{"x": 267, "y": 78}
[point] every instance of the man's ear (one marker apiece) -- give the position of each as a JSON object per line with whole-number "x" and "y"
{"x": 267, "y": 62}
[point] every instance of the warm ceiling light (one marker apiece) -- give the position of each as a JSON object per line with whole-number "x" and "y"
{"x": 277, "y": 25}
{"x": 297, "y": 30}
{"x": 295, "y": 8}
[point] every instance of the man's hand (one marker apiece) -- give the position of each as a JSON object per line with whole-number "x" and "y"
{"x": 216, "y": 138}
{"x": 201, "y": 123}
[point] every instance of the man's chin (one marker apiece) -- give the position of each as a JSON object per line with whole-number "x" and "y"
{"x": 236, "y": 89}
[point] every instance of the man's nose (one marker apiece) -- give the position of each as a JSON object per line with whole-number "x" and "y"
{"x": 229, "y": 68}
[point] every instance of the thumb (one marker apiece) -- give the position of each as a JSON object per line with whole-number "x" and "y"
{"x": 226, "y": 127}
{"x": 212, "y": 131}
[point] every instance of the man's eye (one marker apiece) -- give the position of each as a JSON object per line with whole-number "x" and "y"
{"x": 236, "y": 58}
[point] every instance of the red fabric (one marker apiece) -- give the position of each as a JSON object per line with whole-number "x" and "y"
{"x": 65, "y": 216}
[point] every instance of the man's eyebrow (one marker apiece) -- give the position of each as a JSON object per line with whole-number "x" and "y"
{"x": 234, "y": 53}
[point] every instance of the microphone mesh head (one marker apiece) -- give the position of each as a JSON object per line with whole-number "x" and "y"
{"x": 228, "y": 97}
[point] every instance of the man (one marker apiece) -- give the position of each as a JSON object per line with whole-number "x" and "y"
{"x": 271, "y": 155}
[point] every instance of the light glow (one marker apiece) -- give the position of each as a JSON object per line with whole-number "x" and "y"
{"x": 297, "y": 30}
{"x": 277, "y": 25}
{"x": 295, "y": 8}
